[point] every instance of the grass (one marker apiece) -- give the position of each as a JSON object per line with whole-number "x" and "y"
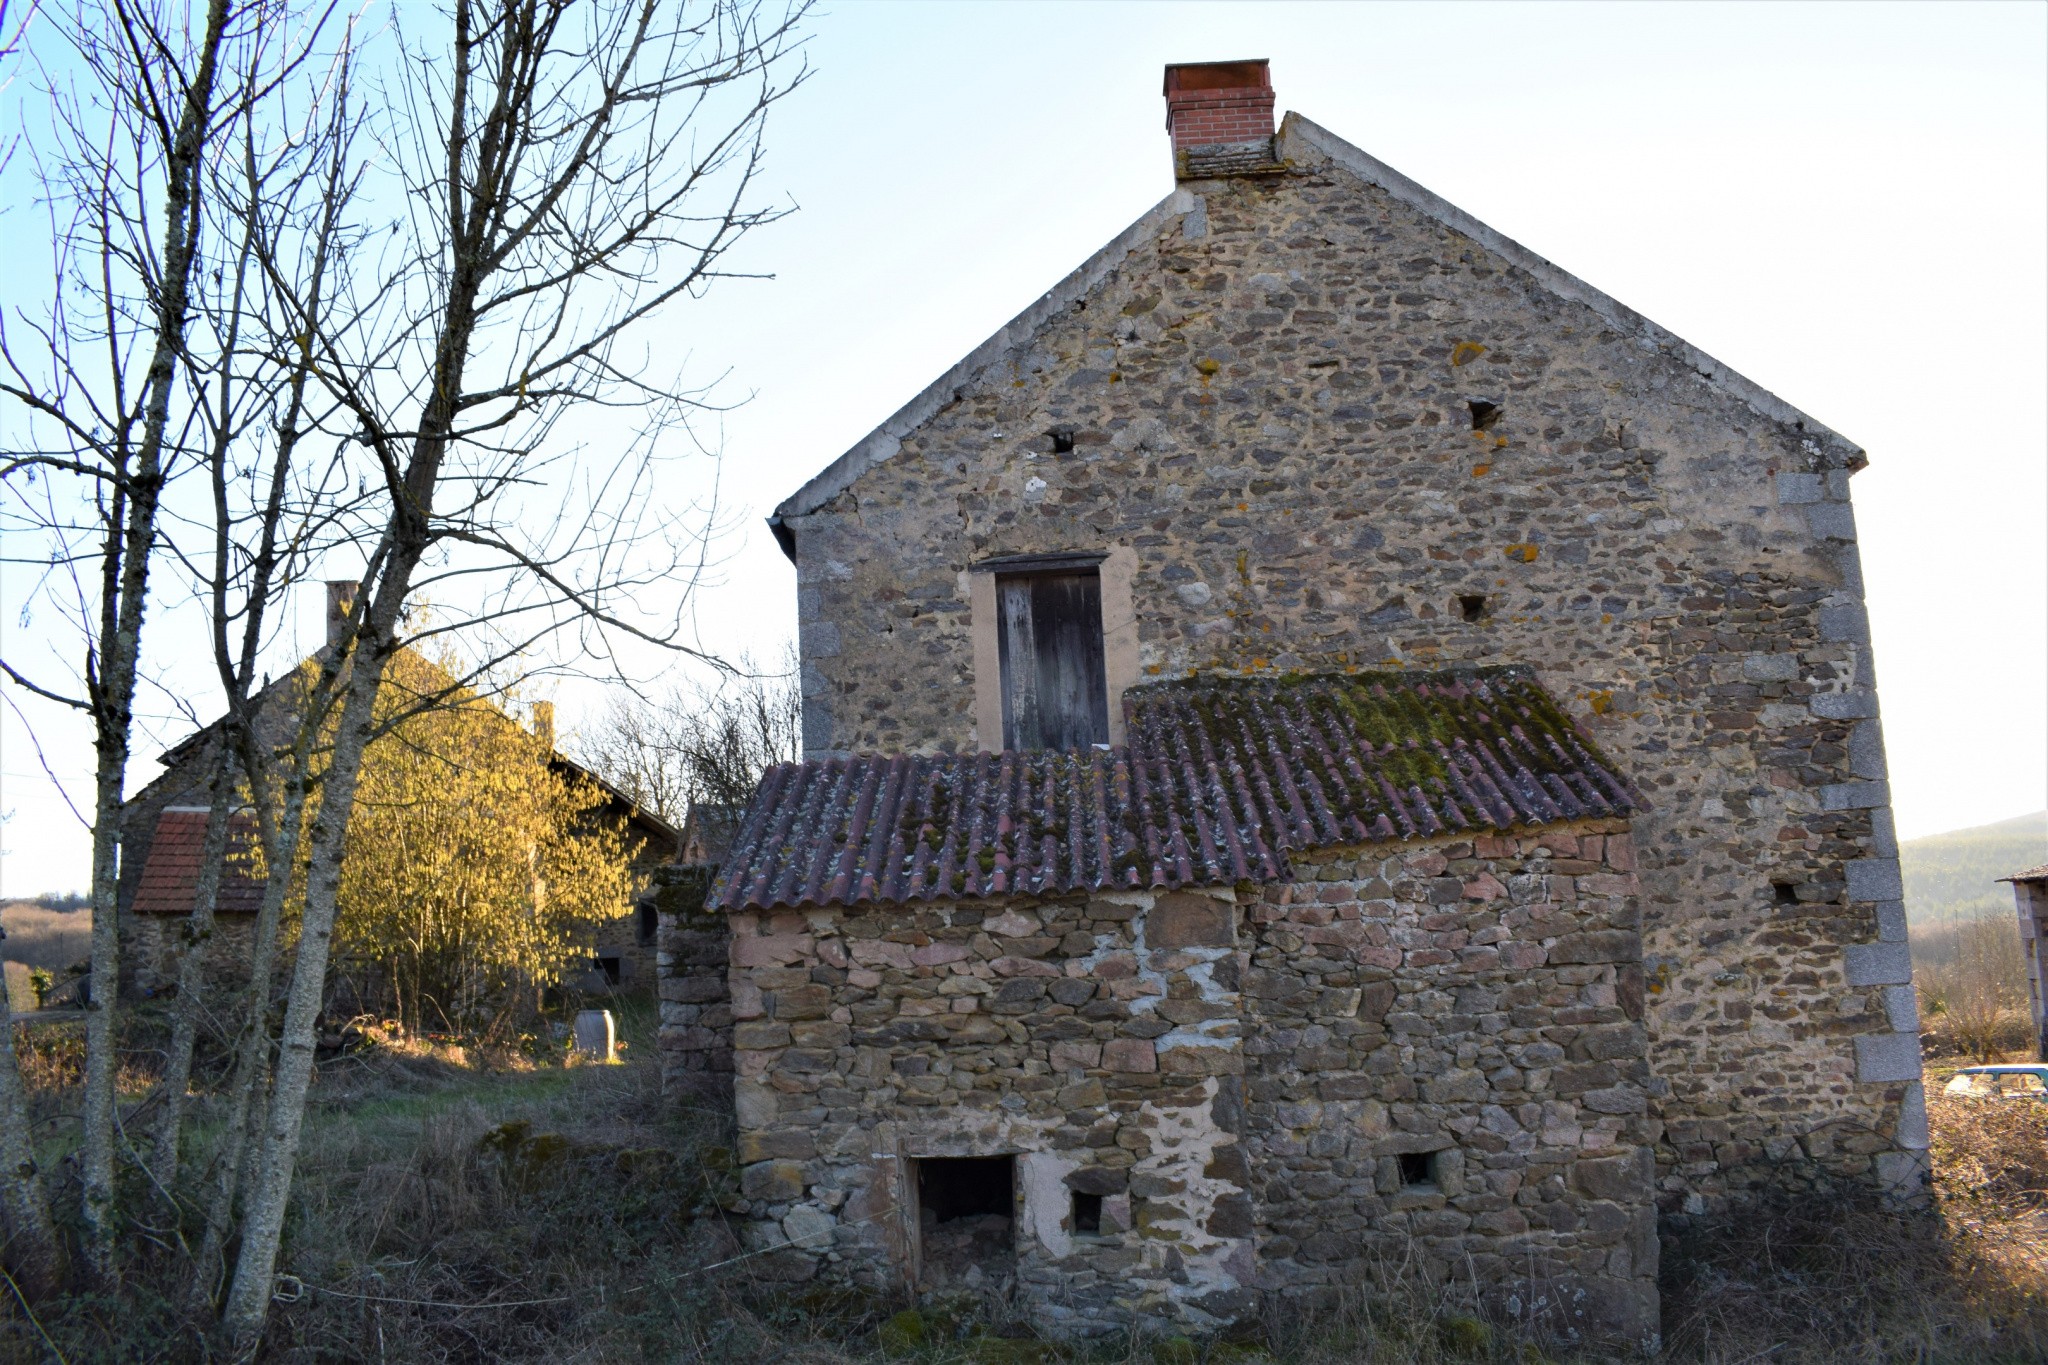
{"x": 464, "y": 1205}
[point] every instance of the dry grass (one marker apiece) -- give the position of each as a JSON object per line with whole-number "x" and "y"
{"x": 1827, "y": 1279}
{"x": 495, "y": 1206}
{"x": 41, "y": 937}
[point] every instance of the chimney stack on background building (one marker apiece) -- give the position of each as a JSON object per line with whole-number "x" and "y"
{"x": 1217, "y": 105}
{"x": 341, "y": 600}
{"x": 544, "y": 723}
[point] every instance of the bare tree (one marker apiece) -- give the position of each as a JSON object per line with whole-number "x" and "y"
{"x": 1976, "y": 981}
{"x": 701, "y": 744}
{"x": 97, "y": 388}
{"x": 561, "y": 175}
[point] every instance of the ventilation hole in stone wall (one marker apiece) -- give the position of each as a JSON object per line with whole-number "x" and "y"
{"x": 1472, "y": 605}
{"x": 1062, "y": 440}
{"x": 1485, "y": 413}
{"x": 1785, "y": 893}
{"x": 1417, "y": 1168}
{"x": 1087, "y": 1212}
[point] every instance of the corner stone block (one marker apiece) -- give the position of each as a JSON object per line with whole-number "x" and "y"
{"x": 1844, "y": 625}
{"x": 1855, "y": 795}
{"x": 1874, "y": 879}
{"x": 1912, "y": 1130}
{"x": 1842, "y": 705}
{"x": 1878, "y": 964}
{"x": 1891, "y": 921}
{"x": 1831, "y": 521}
{"x": 1798, "y": 488}
{"x": 1888, "y": 1057}
{"x": 1866, "y": 750}
{"x": 1902, "y": 1008}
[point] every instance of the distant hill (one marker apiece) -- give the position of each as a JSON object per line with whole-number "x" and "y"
{"x": 1955, "y": 875}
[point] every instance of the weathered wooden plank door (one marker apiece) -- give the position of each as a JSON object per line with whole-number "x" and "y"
{"x": 1055, "y": 691}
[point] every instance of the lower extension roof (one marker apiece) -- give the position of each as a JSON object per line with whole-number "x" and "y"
{"x": 1221, "y": 780}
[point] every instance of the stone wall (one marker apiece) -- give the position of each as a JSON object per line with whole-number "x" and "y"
{"x": 1475, "y": 1007}
{"x": 691, "y": 953}
{"x": 1236, "y": 1076}
{"x": 152, "y": 947}
{"x": 1095, "y": 1040}
{"x": 1270, "y": 400}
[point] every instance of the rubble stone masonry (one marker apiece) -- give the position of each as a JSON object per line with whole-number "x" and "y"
{"x": 1337, "y": 430}
{"x": 1237, "y": 1076}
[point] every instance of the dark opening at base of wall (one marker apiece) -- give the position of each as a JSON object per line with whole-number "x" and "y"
{"x": 967, "y": 1217}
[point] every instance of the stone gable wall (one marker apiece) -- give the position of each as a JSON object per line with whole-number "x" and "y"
{"x": 1269, "y": 404}
{"x": 1480, "y": 1002}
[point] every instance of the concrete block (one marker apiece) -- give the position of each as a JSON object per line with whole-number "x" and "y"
{"x": 1888, "y": 1057}
{"x": 1842, "y": 705}
{"x": 1844, "y": 624}
{"x": 1831, "y": 521}
{"x": 1770, "y": 667}
{"x": 1912, "y": 1130}
{"x": 1855, "y": 795}
{"x": 1877, "y": 964}
{"x": 1902, "y": 1008}
{"x": 1866, "y": 750}
{"x": 1874, "y": 879}
{"x": 1891, "y": 922}
{"x": 1798, "y": 488}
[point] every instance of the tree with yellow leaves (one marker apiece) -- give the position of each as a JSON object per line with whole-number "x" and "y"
{"x": 473, "y": 864}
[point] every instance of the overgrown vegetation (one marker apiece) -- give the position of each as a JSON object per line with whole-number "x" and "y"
{"x": 466, "y": 1203}
{"x": 1967, "y": 959}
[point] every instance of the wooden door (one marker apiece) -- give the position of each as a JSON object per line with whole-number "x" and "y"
{"x": 1055, "y": 691}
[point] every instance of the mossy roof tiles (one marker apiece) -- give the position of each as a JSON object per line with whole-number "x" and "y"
{"x": 1222, "y": 778}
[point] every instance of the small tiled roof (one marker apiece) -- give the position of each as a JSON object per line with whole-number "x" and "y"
{"x": 170, "y": 878}
{"x": 1221, "y": 779}
{"x": 2032, "y": 874}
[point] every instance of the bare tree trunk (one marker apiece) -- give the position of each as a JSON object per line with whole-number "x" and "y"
{"x": 177, "y": 1077}
{"x": 124, "y": 589}
{"x": 269, "y": 1192}
{"x": 34, "y": 1255}
{"x": 252, "y": 1056}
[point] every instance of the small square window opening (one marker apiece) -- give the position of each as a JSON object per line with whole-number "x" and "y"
{"x": 1486, "y": 413}
{"x": 1087, "y": 1213}
{"x": 1418, "y": 1168}
{"x": 1472, "y": 606}
{"x": 1784, "y": 893}
{"x": 1062, "y": 440}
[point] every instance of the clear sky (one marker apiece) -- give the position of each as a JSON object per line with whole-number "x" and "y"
{"x": 1848, "y": 204}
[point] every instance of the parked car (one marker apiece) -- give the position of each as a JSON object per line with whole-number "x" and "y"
{"x": 2021, "y": 1081}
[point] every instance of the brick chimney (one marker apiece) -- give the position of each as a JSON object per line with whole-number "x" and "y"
{"x": 341, "y": 600}
{"x": 1220, "y": 115}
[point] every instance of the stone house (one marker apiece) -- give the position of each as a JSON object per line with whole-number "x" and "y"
{"x": 1328, "y": 740}
{"x": 2030, "y": 897}
{"x": 164, "y": 825}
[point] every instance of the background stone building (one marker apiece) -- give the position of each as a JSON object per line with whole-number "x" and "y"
{"x": 1305, "y": 418}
